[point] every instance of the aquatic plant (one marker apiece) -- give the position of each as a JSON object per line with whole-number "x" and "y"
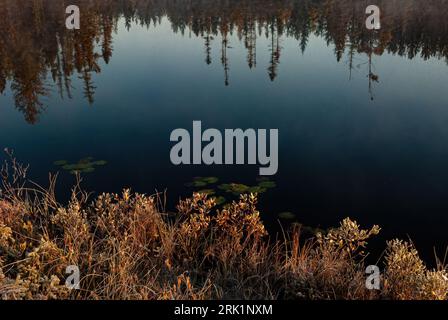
{"x": 207, "y": 185}
{"x": 267, "y": 184}
{"x": 207, "y": 191}
{"x": 84, "y": 165}
{"x": 235, "y": 188}
{"x": 60, "y": 162}
{"x": 202, "y": 181}
{"x": 239, "y": 188}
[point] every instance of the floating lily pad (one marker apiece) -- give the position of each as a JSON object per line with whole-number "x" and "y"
{"x": 203, "y": 181}
{"x": 76, "y": 166}
{"x": 238, "y": 188}
{"x": 86, "y": 160}
{"x": 199, "y": 184}
{"x": 287, "y": 215}
{"x": 224, "y": 186}
{"x": 85, "y": 170}
{"x": 267, "y": 184}
{"x": 257, "y": 189}
{"x": 210, "y": 180}
{"x": 235, "y": 188}
{"x": 84, "y": 165}
{"x": 207, "y": 191}
{"x": 60, "y": 162}
{"x": 99, "y": 163}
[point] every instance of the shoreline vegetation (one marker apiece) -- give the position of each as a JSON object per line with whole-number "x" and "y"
{"x": 127, "y": 247}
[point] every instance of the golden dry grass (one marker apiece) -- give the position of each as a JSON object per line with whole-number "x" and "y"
{"x": 127, "y": 248}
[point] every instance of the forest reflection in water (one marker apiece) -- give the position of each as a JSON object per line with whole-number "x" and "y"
{"x": 38, "y": 54}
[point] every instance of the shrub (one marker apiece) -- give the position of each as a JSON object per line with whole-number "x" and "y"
{"x": 407, "y": 277}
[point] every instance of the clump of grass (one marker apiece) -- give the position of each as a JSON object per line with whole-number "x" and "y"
{"x": 127, "y": 247}
{"x": 408, "y": 278}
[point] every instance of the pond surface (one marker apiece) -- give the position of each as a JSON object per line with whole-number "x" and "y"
{"x": 362, "y": 115}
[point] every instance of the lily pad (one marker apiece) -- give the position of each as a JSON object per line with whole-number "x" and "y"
{"x": 60, "y": 162}
{"x": 235, "y": 188}
{"x": 257, "y": 189}
{"x": 76, "y": 166}
{"x": 210, "y": 180}
{"x": 86, "y": 160}
{"x": 199, "y": 184}
{"x": 86, "y": 170}
{"x": 203, "y": 181}
{"x": 84, "y": 165}
{"x": 99, "y": 163}
{"x": 207, "y": 191}
{"x": 267, "y": 184}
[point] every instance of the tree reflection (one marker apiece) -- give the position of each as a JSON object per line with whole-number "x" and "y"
{"x": 38, "y": 55}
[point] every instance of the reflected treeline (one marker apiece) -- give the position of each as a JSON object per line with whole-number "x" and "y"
{"x": 38, "y": 54}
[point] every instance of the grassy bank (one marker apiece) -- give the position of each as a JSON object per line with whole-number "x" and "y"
{"x": 126, "y": 247}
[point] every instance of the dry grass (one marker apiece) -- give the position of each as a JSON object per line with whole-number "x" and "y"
{"x": 127, "y": 248}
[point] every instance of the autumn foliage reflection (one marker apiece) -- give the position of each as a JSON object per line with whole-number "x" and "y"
{"x": 39, "y": 56}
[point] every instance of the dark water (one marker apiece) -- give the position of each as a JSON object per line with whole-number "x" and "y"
{"x": 362, "y": 115}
